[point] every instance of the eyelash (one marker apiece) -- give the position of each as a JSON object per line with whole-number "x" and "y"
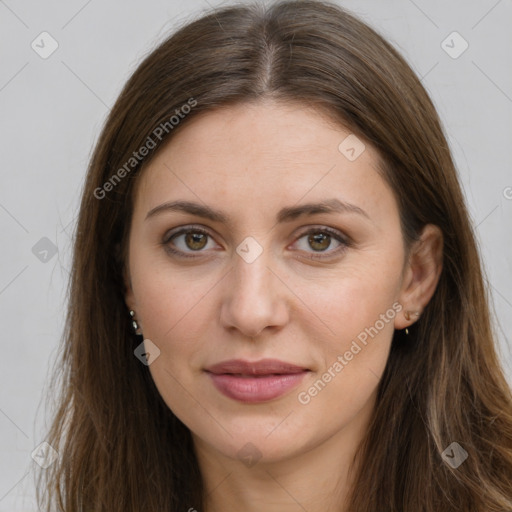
{"x": 343, "y": 240}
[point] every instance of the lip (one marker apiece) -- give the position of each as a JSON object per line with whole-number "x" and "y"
{"x": 261, "y": 367}
{"x": 257, "y": 381}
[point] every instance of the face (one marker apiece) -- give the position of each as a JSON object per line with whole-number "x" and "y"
{"x": 267, "y": 276}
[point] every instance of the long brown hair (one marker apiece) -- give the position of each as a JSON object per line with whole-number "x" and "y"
{"x": 120, "y": 447}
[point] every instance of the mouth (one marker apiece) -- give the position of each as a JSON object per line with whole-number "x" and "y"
{"x": 252, "y": 368}
{"x": 255, "y": 382}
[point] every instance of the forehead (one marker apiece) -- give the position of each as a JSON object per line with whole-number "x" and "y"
{"x": 265, "y": 154}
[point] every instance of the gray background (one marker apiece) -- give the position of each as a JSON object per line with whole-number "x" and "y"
{"x": 52, "y": 110}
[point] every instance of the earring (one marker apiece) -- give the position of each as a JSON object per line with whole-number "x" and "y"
{"x": 407, "y": 316}
{"x": 136, "y": 327}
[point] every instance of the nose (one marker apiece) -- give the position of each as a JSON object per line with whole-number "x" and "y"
{"x": 255, "y": 297}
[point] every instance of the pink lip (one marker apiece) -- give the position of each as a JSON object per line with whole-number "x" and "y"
{"x": 257, "y": 381}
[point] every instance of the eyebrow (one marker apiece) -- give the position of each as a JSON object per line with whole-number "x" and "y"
{"x": 286, "y": 214}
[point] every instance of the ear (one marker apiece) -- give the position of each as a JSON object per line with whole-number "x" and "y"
{"x": 421, "y": 275}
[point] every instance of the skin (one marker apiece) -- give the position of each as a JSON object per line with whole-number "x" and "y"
{"x": 249, "y": 161}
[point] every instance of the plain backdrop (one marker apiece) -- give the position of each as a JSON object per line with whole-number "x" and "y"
{"x": 53, "y": 108}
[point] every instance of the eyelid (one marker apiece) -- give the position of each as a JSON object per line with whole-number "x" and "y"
{"x": 338, "y": 235}
{"x": 185, "y": 229}
{"x": 319, "y": 228}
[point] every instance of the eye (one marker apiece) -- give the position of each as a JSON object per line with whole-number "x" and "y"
{"x": 320, "y": 239}
{"x": 186, "y": 241}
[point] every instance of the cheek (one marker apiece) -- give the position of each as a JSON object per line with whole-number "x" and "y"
{"x": 356, "y": 315}
{"x": 353, "y": 298}
{"x": 353, "y": 362}
{"x": 177, "y": 315}
{"x": 172, "y": 302}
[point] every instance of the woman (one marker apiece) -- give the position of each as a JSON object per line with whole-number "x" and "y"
{"x": 276, "y": 300}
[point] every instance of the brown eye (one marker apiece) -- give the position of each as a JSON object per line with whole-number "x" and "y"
{"x": 185, "y": 242}
{"x": 196, "y": 241}
{"x": 319, "y": 241}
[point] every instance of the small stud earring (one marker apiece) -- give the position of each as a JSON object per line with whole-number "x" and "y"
{"x": 407, "y": 316}
{"x": 135, "y": 325}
